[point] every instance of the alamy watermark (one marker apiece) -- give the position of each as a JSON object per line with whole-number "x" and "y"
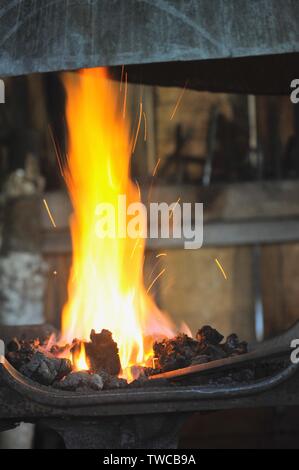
{"x": 157, "y": 220}
{"x": 2, "y": 92}
{"x": 294, "y": 96}
{"x": 295, "y": 352}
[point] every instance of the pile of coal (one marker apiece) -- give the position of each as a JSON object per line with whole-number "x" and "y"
{"x": 47, "y": 366}
{"x": 183, "y": 351}
{"x": 87, "y": 381}
{"x": 111, "y": 381}
{"x": 82, "y": 381}
{"x": 20, "y": 352}
{"x": 174, "y": 353}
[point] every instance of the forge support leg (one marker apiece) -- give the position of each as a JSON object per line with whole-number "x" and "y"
{"x": 121, "y": 432}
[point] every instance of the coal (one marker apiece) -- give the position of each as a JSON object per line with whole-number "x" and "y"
{"x": 175, "y": 353}
{"x": 48, "y": 367}
{"x": 14, "y": 345}
{"x": 209, "y": 335}
{"x": 213, "y": 352}
{"x": 233, "y": 346}
{"x": 200, "y": 359}
{"x": 45, "y": 368}
{"x": 80, "y": 381}
{"x": 183, "y": 351}
{"x": 58, "y": 350}
{"x": 111, "y": 382}
{"x": 20, "y": 352}
{"x": 102, "y": 353}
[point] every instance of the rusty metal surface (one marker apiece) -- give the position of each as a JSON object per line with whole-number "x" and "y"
{"x": 52, "y": 35}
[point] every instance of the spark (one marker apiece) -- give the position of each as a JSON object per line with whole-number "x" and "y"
{"x": 49, "y": 213}
{"x": 154, "y": 269}
{"x": 134, "y": 249}
{"x": 138, "y": 127}
{"x": 125, "y": 96}
{"x": 156, "y": 167}
{"x": 178, "y": 101}
{"x": 149, "y": 194}
{"x": 161, "y": 254}
{"x": 173, "y": 209}
{"x": 56, "y": 151}
{"x": 145, "y": 126}
{"x": 121, "y": 77}
{"x": 55, "y": 273}
{"x": 138, "y": 189}
{"x": 155, "y": 280}
{"x": 154, "y": 362}
{"x": 221, "y": 268}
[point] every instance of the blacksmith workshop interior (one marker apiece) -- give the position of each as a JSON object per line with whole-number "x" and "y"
{"x": 126, "y": 129}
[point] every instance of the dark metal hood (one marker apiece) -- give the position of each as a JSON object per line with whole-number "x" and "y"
{"x": 217, "y": 45}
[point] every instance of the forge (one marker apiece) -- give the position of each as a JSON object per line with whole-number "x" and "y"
{"x": 148, "y": 416}
{"x": 109, "y": 334}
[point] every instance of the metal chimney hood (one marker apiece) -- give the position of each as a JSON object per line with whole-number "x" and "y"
{"x": 217, "y": 45}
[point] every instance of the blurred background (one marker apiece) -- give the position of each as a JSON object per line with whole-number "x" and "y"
{"x": 238, "y": 154}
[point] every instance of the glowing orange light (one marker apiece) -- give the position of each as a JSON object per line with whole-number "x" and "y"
{"x": 221, "y": 268}
{"x": 178, "y": 101}
{"x": 79, "y": 359}
{"x": 106, "y": 287}
{"x": 49, "y": 213}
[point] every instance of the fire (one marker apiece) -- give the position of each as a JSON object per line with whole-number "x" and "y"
{"x": 79, "y": 359}
{"x": 106, "y": 287}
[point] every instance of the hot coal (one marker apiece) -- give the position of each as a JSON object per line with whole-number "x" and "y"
{"x": 45, "y": 368}
{"x": 102, "y": 353}
{"x": 82, "y": 381}
{"x": 48, "y": 367}
{"x": 183, "y": 351}
{"x": 58, "y": 350}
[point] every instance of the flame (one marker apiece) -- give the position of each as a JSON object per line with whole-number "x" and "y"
{"x": 79, "y": 359}
{"x": 106, "y": 287}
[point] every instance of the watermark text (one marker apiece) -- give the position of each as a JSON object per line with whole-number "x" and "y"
{"x": 158, "y": 220}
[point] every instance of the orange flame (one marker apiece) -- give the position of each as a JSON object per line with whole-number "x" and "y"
{"x": 79, "y": 359}
{"x": 106, "y": 287}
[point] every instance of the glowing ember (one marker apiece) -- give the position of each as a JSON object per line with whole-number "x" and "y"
{"x": 106, "y": 283}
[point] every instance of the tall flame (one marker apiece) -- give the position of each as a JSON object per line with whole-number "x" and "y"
{"x": 106, "y": 287}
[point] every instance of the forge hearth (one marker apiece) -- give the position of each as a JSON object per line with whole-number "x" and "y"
{"x": 144, "y": 417}
{"x": 59, "y": 366}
